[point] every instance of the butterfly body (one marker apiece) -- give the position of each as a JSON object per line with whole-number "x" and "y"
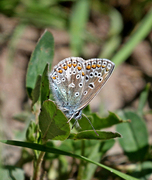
{"x": 75, "y": 82}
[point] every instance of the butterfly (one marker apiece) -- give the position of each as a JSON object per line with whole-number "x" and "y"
{"x": 75, "y": 82}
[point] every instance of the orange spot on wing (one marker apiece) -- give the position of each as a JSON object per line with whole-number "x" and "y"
{"x": 74, "y": 65}
{"x": 103, "y": 66}
{"x": 65, "y": 67}
{"x": 98, "y": 65}
{"x": 83, "y": 74}
{"x": 93, "y": 66}
{"x": 60, "y": 71}
{"x": 69, "y": 65}
{"x": 79, "y": 68}
{"x": 88, "y": 67}
{"x": 53, "y": 77}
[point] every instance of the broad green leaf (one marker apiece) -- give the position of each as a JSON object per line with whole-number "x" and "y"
{"x": 11, "y": 173}
{"x": 143, "y": 99}
{"x": 36, "y": 91}
{"x": 103, "y": 135}
{"x": 135, "y": 136}
{"x": 98, "y": 122}
{"x": 42, "y": 54}
{"x": 53, "y": 122}
{"x": 57, "y": 151}
{"x": 78, "y": 20}
{"x": 45, "y": 85}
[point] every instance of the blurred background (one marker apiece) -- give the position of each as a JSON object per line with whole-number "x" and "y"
{"x": 85, "y": 28}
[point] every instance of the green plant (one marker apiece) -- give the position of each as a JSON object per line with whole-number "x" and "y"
{"x": 51, "y": 124}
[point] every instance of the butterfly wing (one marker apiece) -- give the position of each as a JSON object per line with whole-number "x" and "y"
{"x": 97, "y": 72}
{"x": 66, "y": 80}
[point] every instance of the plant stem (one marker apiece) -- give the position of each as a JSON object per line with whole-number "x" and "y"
{"x": 37, "y": 170}
{"x": 81, "y": 166}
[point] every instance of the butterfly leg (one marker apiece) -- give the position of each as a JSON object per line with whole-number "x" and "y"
{"x": 91, "y": 124}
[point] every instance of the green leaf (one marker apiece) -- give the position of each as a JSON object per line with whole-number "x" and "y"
{"x": 36, "y": 91}
{"x": 143, "y": 170}
{"x": 135, "y": 136}
{"x": 53, "y": 122}
{"x": 98, "y": 122}
{"x": 57, "y": 151}
{"x": 96, "y": 153}
{"x": 103, "y": 135}
{"x": 45, "y": 85}
{"x": 42, "y": 54}
{"x": 30, "y": 133}
{"x": 11, "y": 173}
{"x": 143, "y": 99}
{"x": 78, "y": 20}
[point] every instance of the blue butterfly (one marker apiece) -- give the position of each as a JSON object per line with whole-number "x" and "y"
{"x": 75, "y": 82}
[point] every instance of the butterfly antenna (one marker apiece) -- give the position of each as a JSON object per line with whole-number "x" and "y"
{"x": 91, "y": 124}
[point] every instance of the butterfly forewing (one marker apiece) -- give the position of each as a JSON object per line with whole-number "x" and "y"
{"x": 66, "y": 82}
